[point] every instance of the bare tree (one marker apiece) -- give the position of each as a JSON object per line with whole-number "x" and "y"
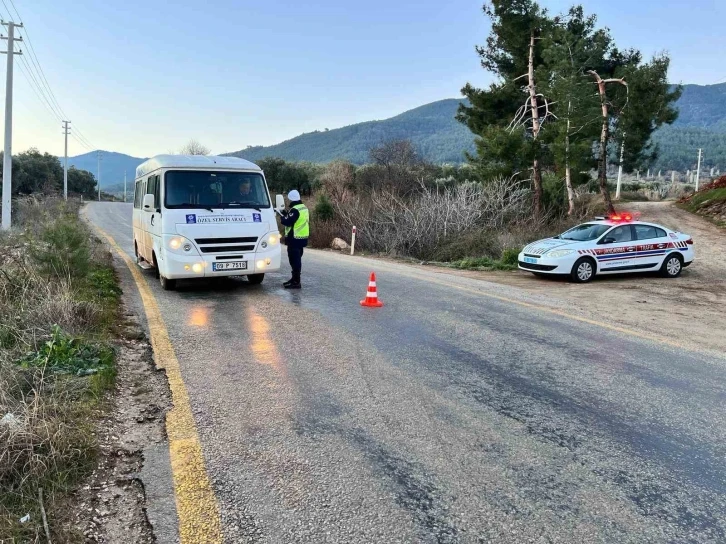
{"x": 194, "y": 147}
{"x": 530, "y": 113}
{"x": 394, "y": 153}
{"x": 604, "y": 135}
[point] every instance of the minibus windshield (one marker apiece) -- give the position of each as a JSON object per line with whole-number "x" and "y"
{"x": 199, "y": 189}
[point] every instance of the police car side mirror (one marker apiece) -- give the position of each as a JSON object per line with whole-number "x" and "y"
{"x": 279, "y": 202}
{"x": 608, "y": 240}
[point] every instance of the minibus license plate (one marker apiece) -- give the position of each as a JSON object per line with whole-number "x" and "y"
{"x": 237, "y": 265}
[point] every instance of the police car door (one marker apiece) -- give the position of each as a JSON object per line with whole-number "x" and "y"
{"x": 652, "y": 244}
{"x": 617, "y": 253}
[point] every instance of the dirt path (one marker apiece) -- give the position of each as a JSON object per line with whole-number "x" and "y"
{"x": 691, "y": 308}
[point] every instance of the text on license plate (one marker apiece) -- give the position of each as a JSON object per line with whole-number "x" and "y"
{"x": 530, "y": 260}
{"x": 236, "y": 265}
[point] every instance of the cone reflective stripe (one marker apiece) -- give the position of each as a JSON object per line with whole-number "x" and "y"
{"x": 371, "y": 299}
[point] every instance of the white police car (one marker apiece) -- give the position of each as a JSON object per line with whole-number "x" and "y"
{"x": 613, "y": 245}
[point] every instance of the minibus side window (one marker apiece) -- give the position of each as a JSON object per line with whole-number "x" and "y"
{"x": 157, "y": 192}
{"x": 137, "y": 195}
{"x": 152, "y": 188}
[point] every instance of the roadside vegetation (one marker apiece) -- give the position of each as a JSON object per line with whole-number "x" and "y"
{"x": 709, "y": 201}
{"x": 58, "y": 304}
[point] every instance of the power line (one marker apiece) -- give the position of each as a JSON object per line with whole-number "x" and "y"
{"x": 42, "y": 84}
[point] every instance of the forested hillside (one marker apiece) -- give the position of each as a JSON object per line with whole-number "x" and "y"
{"x": 439, "y": 138}
{"x": 432, "y": 129}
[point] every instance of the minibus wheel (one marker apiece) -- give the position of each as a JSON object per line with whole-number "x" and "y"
{"x": 167, "y": 284}
{"x": 255, "y": 279}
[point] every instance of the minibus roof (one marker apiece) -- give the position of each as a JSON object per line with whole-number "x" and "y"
{"x": 207, "y": 162}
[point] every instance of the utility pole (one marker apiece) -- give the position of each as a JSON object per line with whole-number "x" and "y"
{"x": 8, "y": 157}
{"x": 124, "y": 186}
{"x": 620, "y": 168}
{"x": 98, "y": 156}
{"x": 66, "y": 132}
{"x": 698, "y": 169}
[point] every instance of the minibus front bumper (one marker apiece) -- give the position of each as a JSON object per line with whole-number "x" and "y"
{"x": 176, "y": 266}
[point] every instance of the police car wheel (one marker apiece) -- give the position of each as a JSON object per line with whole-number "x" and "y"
{"x": 672, "y": 266}
{"x": 583, "y": 271}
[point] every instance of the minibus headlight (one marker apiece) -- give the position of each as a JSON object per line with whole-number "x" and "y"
{"x": 271, "y": 240}
{"x": 180, "y": 245}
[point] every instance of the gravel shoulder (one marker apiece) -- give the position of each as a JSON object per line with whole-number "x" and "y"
{"x": 689, "y": 309}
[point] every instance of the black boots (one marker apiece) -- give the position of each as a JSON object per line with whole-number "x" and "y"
{"x": 292, "y": 284}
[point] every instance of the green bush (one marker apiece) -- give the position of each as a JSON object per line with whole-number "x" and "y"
{"x": 323, "y": 210}
{"x": 63, "y": 249}
{"x": 477, "y": 243}
{"x": 510, "y": 256}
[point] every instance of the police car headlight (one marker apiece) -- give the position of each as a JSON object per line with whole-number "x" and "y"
{"x": 557, "y": 253}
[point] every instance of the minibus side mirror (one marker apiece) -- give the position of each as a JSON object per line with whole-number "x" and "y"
{"x": 148, "y": 203}
{"x": 279, "y": 202}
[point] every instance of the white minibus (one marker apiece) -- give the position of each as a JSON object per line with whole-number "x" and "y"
{"x": 200, "y": 217}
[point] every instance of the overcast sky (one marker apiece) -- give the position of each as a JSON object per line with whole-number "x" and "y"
{"x": 144, "y": 77}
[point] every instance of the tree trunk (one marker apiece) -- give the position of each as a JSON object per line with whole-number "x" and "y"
{"x": 602, "y": 162}
{"x": 568, "y": 174}
{"x": 536, "y": 171}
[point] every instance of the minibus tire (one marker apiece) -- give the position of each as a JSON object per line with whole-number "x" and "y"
{"x": 167, "y": 284}
{"x": 255, "y": 279}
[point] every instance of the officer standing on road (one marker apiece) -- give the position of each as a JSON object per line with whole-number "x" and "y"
{"x": 297, "y": 230}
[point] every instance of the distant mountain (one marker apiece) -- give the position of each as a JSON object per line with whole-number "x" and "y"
{"x": 432, "y": 128}
{"x": 440, "y": 138}
{"x": 113, "y": 166}
{"x": 702, "y": 106}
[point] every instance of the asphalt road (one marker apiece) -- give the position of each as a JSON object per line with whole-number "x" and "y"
{"x": 446, "y": 416}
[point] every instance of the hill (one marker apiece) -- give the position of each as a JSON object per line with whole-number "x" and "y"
{"x": 113, "y": 166}
{"x": 432, "y": 128}
{"x": 440, "y": 138}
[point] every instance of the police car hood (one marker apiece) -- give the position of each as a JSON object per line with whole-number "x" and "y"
{"x": 541, "y": 246}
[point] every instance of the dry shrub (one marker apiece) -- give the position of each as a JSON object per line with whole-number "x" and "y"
{"x": 322, "y": 233}
{"x": 419, "y": 223}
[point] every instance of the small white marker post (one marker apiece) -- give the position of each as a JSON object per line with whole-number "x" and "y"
{"x": 352, "y": 242}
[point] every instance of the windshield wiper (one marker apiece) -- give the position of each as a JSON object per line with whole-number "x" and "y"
{"x": 246, "y": 206}
{"x": 191, "y": 206}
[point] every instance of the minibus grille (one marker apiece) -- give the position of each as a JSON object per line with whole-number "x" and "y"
{"x": 245, "y": 240}
{"x": 226, "y": 249}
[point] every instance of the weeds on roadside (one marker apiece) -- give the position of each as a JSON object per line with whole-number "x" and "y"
{"x": 58, "y": 304}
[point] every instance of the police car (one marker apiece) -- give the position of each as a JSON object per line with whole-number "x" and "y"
{"x": 609, "y": 245}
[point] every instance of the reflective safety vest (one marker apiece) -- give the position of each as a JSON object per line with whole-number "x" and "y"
{"x": 301, "y": 228}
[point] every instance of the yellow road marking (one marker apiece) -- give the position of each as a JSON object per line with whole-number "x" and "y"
{"x": 195, "y": 501}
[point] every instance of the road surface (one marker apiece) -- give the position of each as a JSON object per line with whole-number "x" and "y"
{"x": 459, "y": 412}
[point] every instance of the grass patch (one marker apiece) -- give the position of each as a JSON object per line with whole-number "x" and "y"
{"x": 705, "y": 198}
{"x": 59, "y": 300}
{"x": 481, "y": 263}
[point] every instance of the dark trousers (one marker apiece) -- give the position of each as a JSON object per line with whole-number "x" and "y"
{"x": 294, "y": 255}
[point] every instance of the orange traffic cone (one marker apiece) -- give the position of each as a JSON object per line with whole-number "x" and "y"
{"x": 372, "y": 295}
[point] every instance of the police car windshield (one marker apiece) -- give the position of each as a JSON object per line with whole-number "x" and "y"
{"x": 586, "y": 232}
{"x": 200, "y": 189}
